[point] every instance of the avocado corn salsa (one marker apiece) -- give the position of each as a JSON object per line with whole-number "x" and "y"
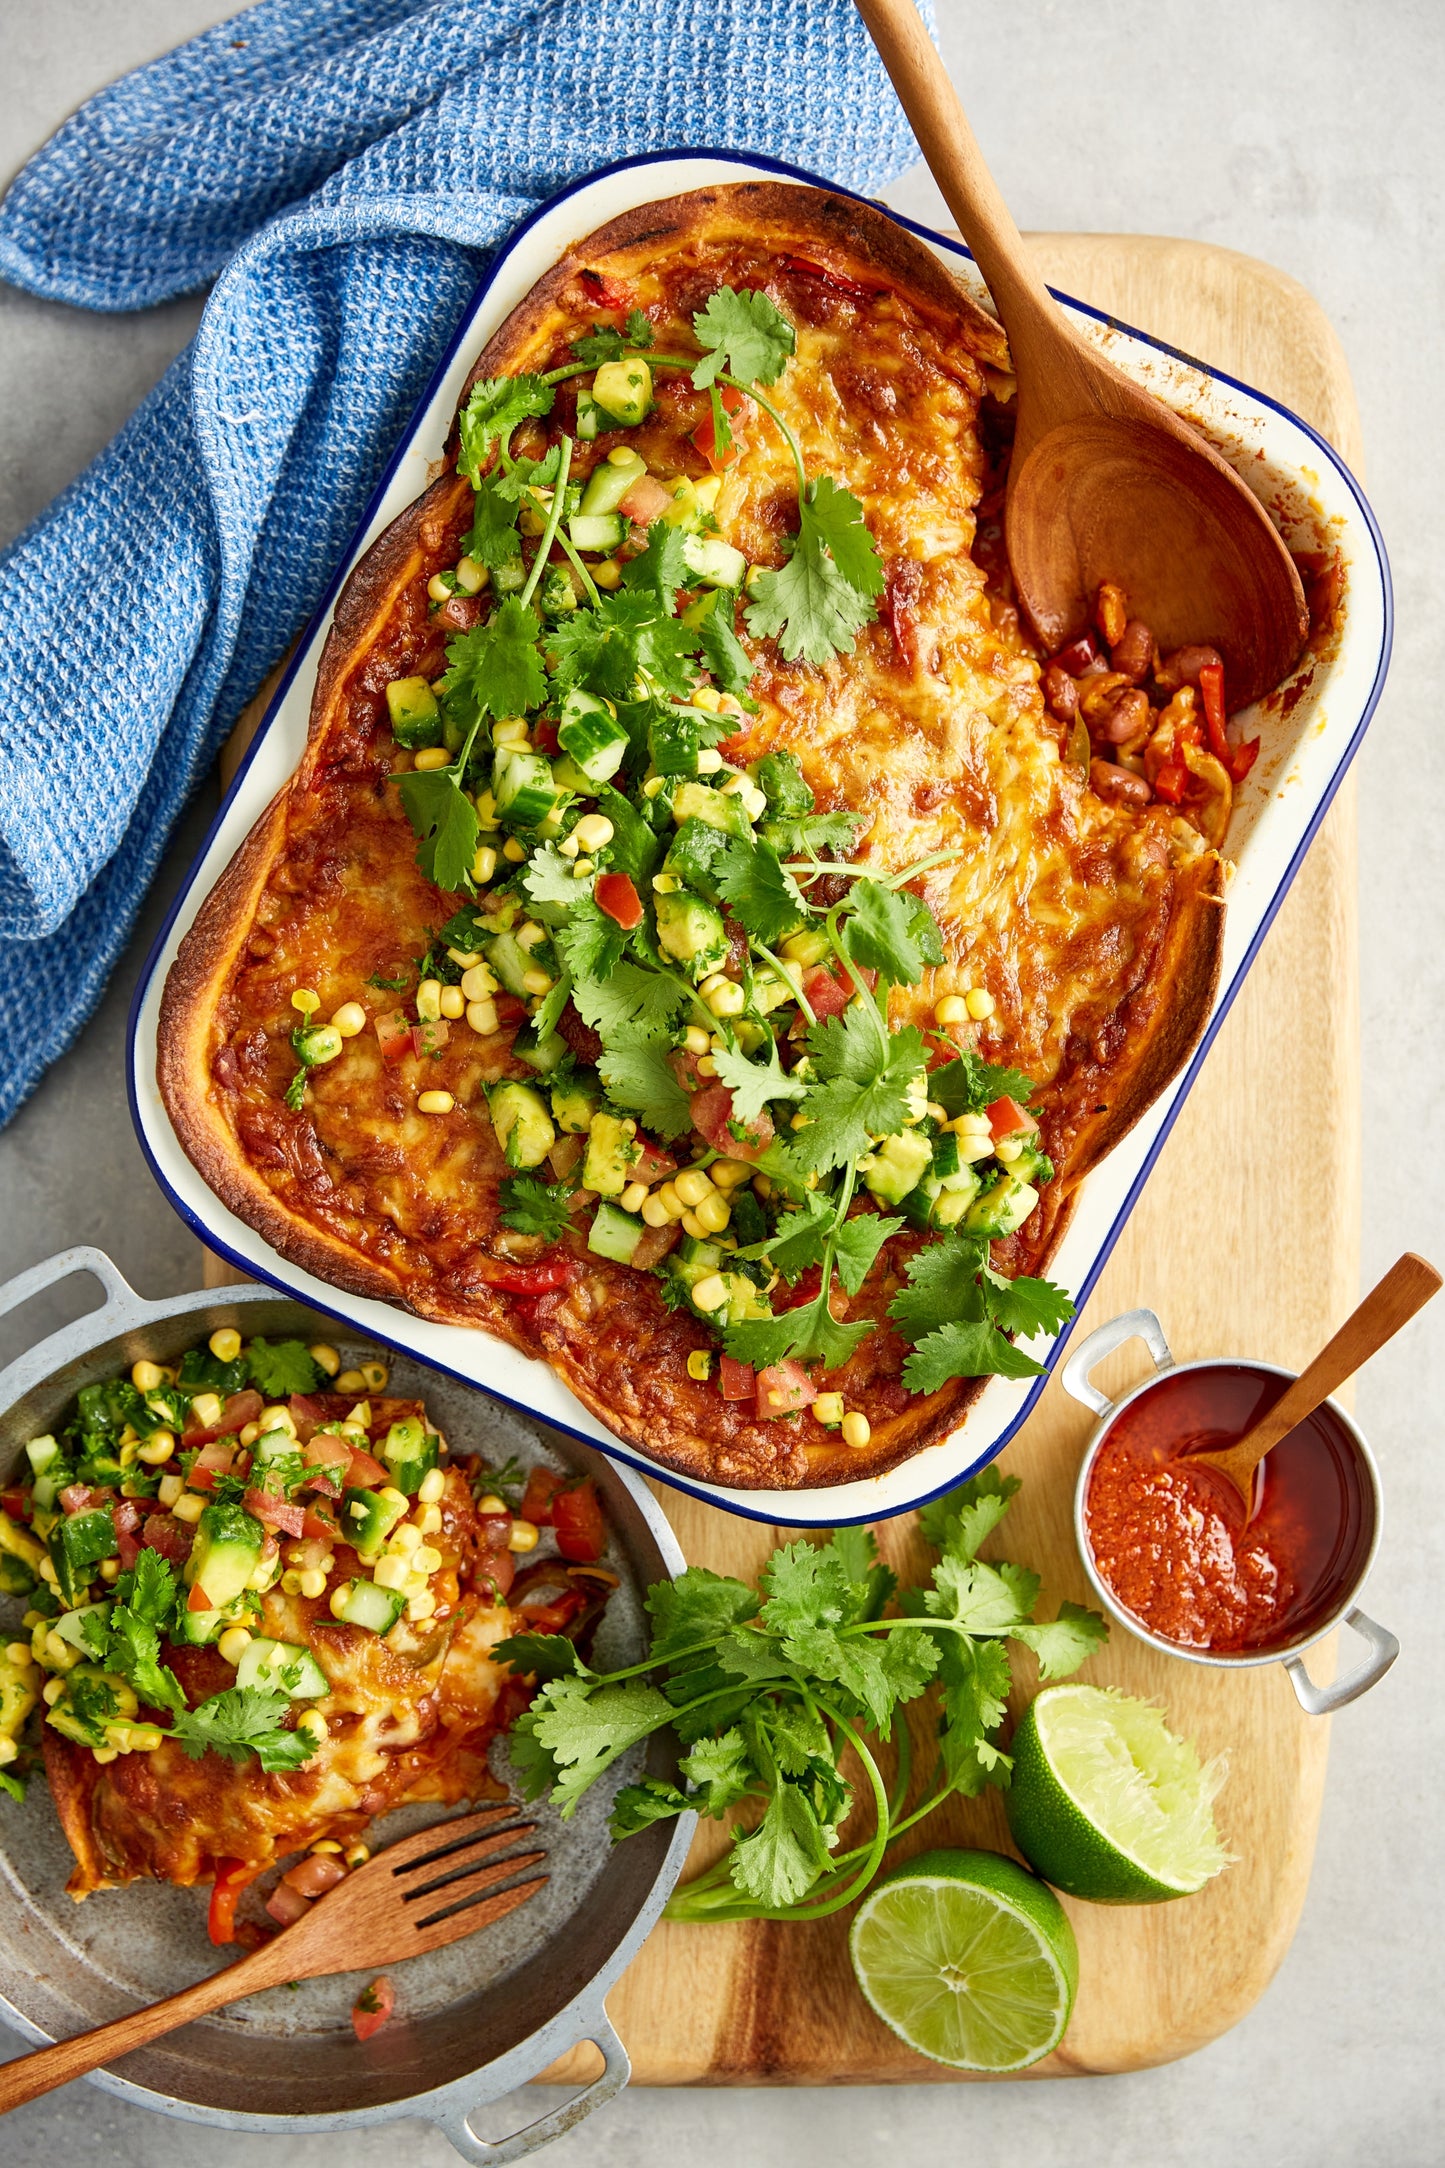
{"x": 691, "y": 966}
{"x": 260, "y": 1599}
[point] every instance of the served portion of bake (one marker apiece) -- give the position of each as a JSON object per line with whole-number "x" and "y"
{"x": 263, "y": 1603}
{"x": 702, "y": 944}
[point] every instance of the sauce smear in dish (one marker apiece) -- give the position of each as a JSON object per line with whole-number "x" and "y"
{"x": 1169, "y": 1539}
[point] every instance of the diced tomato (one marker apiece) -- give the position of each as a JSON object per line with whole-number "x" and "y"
{"x": 372, "y": 2007}
{"x": 393, "y": 1032}
{"x": 326, "y": 1450}
{"x": 617, "y": 896}
{"x": 646, "y": 501}
{"x": 316, "y": 1524}
{"x": 1078, "y": 654}
{"x": 78, "y": 1498}
{"x": 495, "y": 1530}
{"x": 510, "y": 1010}
{"x": 274, "y": 1512}
{"x": 215, "y": 1459}
{"x": 544, "y": 735}
{"x": 783, "y": 1388}
{"x": 712, "y": 1115}
{"x": 127, "y": 1524}
{"x": 826, "y": 995}
{"x": 232, "y": 1876}
{"x": 652, "y": 1163}
{"x": 736, "y": 1381}
{"x": 535, "y": 1279}
{"x": 577, "y": 1518}
{"x": 364, "y": 1469}
{"x": 606, "y": 291}
{"x": 542, "y": 1488}
{"x": 198, "y": 1600}
{"x": 287, "y": 1905}
{"x": 704, "y": 436}
{"x": 16, "y": 1503}
{"x": 1006, "y": 1117}
{"x": 172, "y": 1538}
{"x": 653, "y": 1245}
{"x": 430, "y": 1037}
{"x": 806, "y": 1289}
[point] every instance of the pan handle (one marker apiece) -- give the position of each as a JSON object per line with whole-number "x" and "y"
{"x": 122, "y": 1305}
{"x": 616, "y": 2070}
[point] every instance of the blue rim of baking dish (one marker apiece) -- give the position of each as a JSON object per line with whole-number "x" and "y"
{"x": 718, "y": 1495}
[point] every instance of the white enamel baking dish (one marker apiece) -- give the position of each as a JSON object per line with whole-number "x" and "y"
{"x": 1306, "y": 752}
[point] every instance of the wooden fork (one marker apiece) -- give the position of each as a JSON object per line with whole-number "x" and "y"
{"x": 418, "y": 1895}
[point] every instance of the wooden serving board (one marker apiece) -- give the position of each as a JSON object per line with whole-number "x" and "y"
{"x": 1246, "y": 1242}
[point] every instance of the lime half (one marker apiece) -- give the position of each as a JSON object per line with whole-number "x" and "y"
{"x": 969, "y": 1958}
{"x": 1107, "y": 1804}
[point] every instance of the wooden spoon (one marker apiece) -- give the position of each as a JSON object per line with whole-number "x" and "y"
{"x": 391, "y": 1908}
{"x": 1406, "y": 1288}
{"x": 1105, "y": 482}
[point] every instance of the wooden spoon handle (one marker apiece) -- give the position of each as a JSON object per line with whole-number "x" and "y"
{"x": 28, "y": 2076}
{"x": 956, "y": 162}
{"x": 1406, "y": 1288}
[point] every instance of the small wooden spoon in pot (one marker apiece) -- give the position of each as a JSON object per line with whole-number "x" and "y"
{"x": 1105, "y": 482}
{"x": 1406, "y": 1288}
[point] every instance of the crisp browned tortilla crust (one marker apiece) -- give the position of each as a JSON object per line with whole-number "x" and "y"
{"x": 1095, "y": 927}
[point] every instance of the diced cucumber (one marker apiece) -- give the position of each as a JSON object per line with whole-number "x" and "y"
{"x": 273, "y": 1445}
{"x": 1002, "y": 1209}
{"x": 367, "y": 1519}
{"x": 40, "y": 1452}
{"x": 694, "y": 1259}
{"x": 283, "y": 1667}
{"x": 71, "y": 1624}
{"x": 545, "y": 1054}
{"x": 226, "y": 1552}
{"x": 614, "y": 1233}
{"x": 609, "y": 482}
{"x": 410, "y": 1451}
{"x": 509, "y": 960}
{"x": 510, "y": 578}
{"x": 377, "y": 1609}
{"x": 612, "y": 1153}
{"x": 599, "y": 532}
{"x": 591, "y": 737}
{"x": 524, "y": 787}
{"x": 896, "y": 1165}
{"x": 523, "y": 1125}
{"x": 715, "y": 562}
{"x": 623, "y": 389}
{"x": 195, "y": 1629}
{"x": 700, "y": 802}
{"x": 574, "y": 1103}
{"x": 590, "y": 418}
{"x": 416, "y": 720}
{"x": 77, "y": 1545}
{"x": 691, "y": 930}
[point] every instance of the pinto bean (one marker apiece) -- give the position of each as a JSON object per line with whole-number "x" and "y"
{"x": 1099, "y": 692}
{"x": 1119, "y": 785}
{"x": 1184, "y": 665}
{"x": 1061, "y": 693}
{"x": 1134, "y": 651}
{"x": 1128, "y": 718}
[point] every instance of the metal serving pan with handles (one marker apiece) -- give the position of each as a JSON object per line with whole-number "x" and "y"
{"x": 474, "y": 2021}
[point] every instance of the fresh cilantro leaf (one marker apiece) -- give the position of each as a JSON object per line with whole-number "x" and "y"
{"x": 634, "y": 846}
{"x": 880, "y": 933}
{"x": 389, "y": 986}
{"x": 661, "y": 568}
{"x": 764, "y": 897}
{"x": 638, "y": 1075}
{"x": 962, "y": 1518}
{"x": 965, "y": 1351}
{"x": 969, "y": 1085}
{"x": 629, "y": 995}
{"x": 796, "y": 1736}
{"x": 872, "y": 1582}
{"x": 982, "y": 1599}
{"x": 724, "y": 654}
{"x": 819, "y": 1337}
{"x": 12, "y": 1786}
{"x": 754, "y": 1083}
{"x": 846, "y": 1046}
{"x": 807, "y": 1584}
{"x": 638, "y": 1806}
{"x": 1062, "y": 1644}
{"x": 761, "y": 1340}
{"x": 244, "y": 1720}
{"x": 603, "y": 649}
{"x": 523, "y": 476}
{"x": 802, "y": 1235}
{"x": 943, "y": 1286}
{"x": 445, "y": 822}
{"x": 585, "y": 1727}
{"x": 493, "y": 539}
{"x": 819, "y": 602}
{"x": 533, "y": 1207}
{"x": 696, "y": 1607}
{"x": 745, "y": 333}
{"x": 1025, "y": 1305}
{"x": 859, "y": 1241}
{"x": 549, "y": 881}
{"x": 974, "y": 1677}
{"x": 782, "y": 1858}
{"x": 721, "y": 1770}
{"x": 279, "y": 1368}
{"x": 295, "y": 1092}
{"x": 589, "y": 942}
{"x": 537, "y": 1769}
{"x": 495, "y": 406}
{"x": 554, "y": 1001}
{"x": 498, "y": 666}
{"x": 603, "y": 343}
{"x": 202, "y": 1372}
{"x": 827, "y": 835}
{"x": 541, "y": 1656}
{"x": 845, "y": 1115}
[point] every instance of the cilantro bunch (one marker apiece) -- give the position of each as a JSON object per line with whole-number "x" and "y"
{"x": 771, "y": 1690}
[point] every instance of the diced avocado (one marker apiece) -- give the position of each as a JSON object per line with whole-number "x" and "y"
{"x": 71, "y": 1624}
{"x": 570, "y": 778}
{"x": 509, "y": 578}
{"x": 1001, "y": 1209}
{"x": 544, "y": 1054}
{"x": 610, "y": 480}
{"x": 695, "y": 854}
{"x": 509, "y": 960}
{"x": 693, "y": 504}
{"x": 573, "y": 1105}
{"x": 18, "y": 1695}
{"x": 623, "y": 389}
{"x": 91, "y": 1699}
{"x": 896, "y": 1165}
{"x": 416, "y": 720}
{"x": 782, "y": 783}
{"x": 226, "y": 1552}
{"x": 524, "y": 787}
{"x": 367, "y": 1519}
{"x": 591, "y": 737}
{"x": 700, "y": 802}
{"x": 599, "y": 532}
{"x": 282, "y": 1666}
{"x": 690, "y": 930}
{"x": 614, "y": 1233}
{"x": 1033, "y": 1164}
{"x": 557, "y": 596}
{"x": 410, "y": 1451}
{"x": 16, "y": 1579}
{"x": 377, "y": 1609}
{"x": 17, "y": 1542}
{"x": 78, "y": 1543}
{"x": 715, "y": 562}
{"x": 523, "y": 1125}
{"x": 612, "y": 1153}
{"x": 745, "y": 1302}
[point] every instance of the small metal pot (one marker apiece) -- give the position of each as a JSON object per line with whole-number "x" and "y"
{"x": 1315, "y": 1700}
{"x": 478, "y": 2019}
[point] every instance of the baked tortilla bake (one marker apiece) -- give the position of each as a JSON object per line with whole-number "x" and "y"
{"x": 251, "y": 1628}
{"x": 702, "y": 945}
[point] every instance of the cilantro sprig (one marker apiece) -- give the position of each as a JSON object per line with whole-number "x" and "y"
{"x": 767, "y": 1688}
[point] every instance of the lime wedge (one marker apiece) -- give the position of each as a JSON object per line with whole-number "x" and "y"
{"x": 969, "y": 1958}
{"x": 1107, "y": 1804}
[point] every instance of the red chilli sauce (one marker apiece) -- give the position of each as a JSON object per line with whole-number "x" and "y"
{"x": 1169, "y": 1540}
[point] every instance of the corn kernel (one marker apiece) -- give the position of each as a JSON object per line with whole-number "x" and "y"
{"x": 484, "y": 864}
{"x": 393, "y": 1497}
{"x": 47, "y": 1572}
{"x": 171, "y": 1489}
{"x": 351, "y": 1381}
{"x": 669, "y": 1197}
{"x": 340, "y": 1597}
{"x": 433, "y": 1483}
{"x": 482, "y": 1017}
{"x": 325, "y": 1358}
{"x": 291, "y": 1582}
{"x": 435, "y": 1103}
{"x": 514, "y": 850}
{"x": 692, "y": 1185}
{"x": 162, "y": 1445}
{"x": 714, "y": 1213}
{"x": 58, "y": 1652}
{"x": 471, "y": 578}
{"x": 979, "y": 1003}
{"x": 509, "y": 730}
{"x": 426, "y": 1560}
{"x": 189, "y": 1506}
{"x": 233, "y": 1644}
{"x": 594, "y": 832}
{"x": 523, "y": 1536}
{"x": 726, "y": 1000}
{"x": 439, "y": 587}
{"x": 608, "y": 574}
{"x": 536, "y": 981}
{"x": 110, "y": 1567}
{"x": 429, "y": 1000}
{"x": 314, "y": 1722}
{"x": 429, "y": 1519}
{"x": 51, "y": 1692}
{"x": 225, "y": 1343}
{"x": 145, "y": 1377}
{"x": 857, "y": 1429}
{"x": 431, "y": 756}
{"x": 1008, "y": 1149}
{"x": 654, "y": 1211}
{"x": 357, "y": 1855}
{"x": 478, "y": 984}
{"x": 710, "y": 1293}
{"x": 306, "y": 999}
{"x": 391, "y": 1572}
{"x": 828, "y": 1408}
{"x": 729, "y": 1173}
{"x": 453, "y": 1002}
{"x": 105, "y": 1754}
{"x": 692, "y": 1225}
{"x": 699, "y": 1365}
{"x": 953, "y": 1009}
{"x": 18, "y": 1653}
{"x": 634, "y": 1197}
{"x": 313, "y": 1582}
{"x": 376, "y": 1375}
{"x": 278, "y": 1417}
{"x": 421, "y": 1606}
{"x": 709, "y": 760}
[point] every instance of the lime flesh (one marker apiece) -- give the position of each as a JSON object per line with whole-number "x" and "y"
{"x": 969, "y": 1958}
{"x": 1107, "y": 1804}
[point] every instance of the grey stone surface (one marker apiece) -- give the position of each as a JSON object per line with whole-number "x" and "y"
{"x": 1306, "y": 133}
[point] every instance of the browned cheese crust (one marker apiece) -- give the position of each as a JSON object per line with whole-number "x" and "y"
{"x": 1095, "y": 927}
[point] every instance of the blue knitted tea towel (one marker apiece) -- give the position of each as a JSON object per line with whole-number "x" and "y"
{"x": 343, "y": 174}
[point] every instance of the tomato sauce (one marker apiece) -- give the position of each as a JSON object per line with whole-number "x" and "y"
{"x": 1169, "y": 1541}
